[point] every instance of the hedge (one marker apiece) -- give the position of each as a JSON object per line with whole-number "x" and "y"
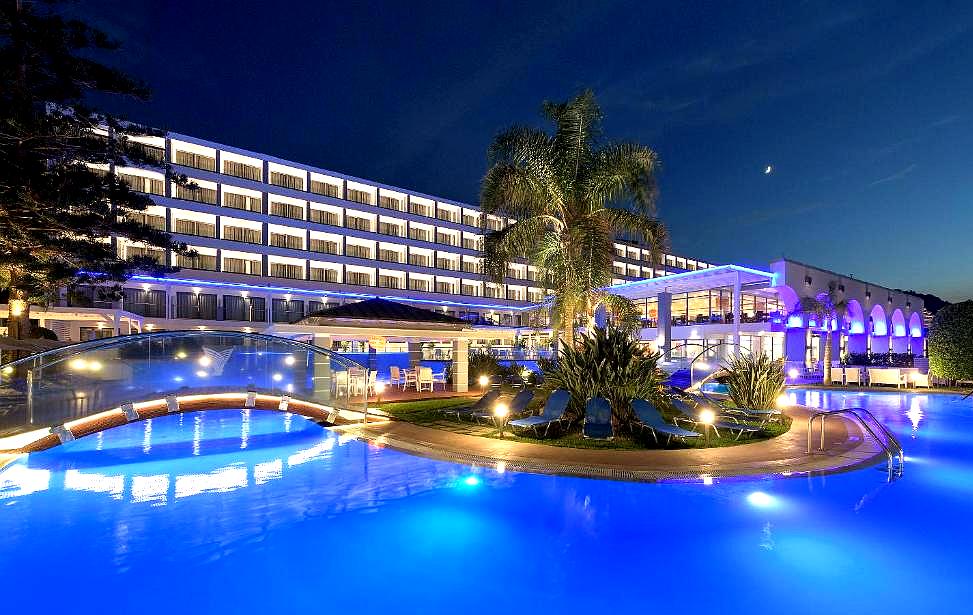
{"x": 951, "y": 342}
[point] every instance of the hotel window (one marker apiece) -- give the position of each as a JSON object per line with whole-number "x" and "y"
{"x": 471, "y": 219}
{"x": 286, "y": 180}
{"x": 449, "y": 239}
{"x": 284, "y": 270}
{"x": 449, "y": 264}
{"x": 326, "y": 216}
{"x": 325, "y": 189}
{"x": 203, "y": 262}
{"x": 151, "y": 220}
{"x": 516, "y": 273}
{"x": 196, "y": 161}
{"x": 420, "y": 234}
{"x": 145, "y": 251}
{"x": 287, "y": 310}
{"x": 446, "y": 288}
{"x": 535, "y": 295}
{"x": 242, "y": 170}
{"x": 194, "y": 227}
{"x": 515, "y": 294}
{"x": 325, "y": 246}
{"x": 358, "y": 251}
{"x": 242, "y": 233}
{"x": 359, "y": 196}
{"x": 249, "y": 309}
{"x": 389, "y": 202}
{"x": 471, "y": 289}
{"x": 420, "y": 208}
{"x": 472, "y": 266}
{"x": 196, "y": 305}
{"x": 390, "y": 281}
{"x": 87, "y": 334}
{"x": 359, "y": 278}
{"x": 618, "y": 268}
{"x": 492, "y": 291}
{"x": 494, "y": 224}
{"x": 198, "y": 194}
{"x": 447, "y": 215}
{"x": 244, "y": 202}
{"x": 670, "y": 260}
{"x": 324, "y": 274}
{"x": 89, "y": 296}
{"x": 316, "y": 306}
{"x": 155, "y": 154}
{"x": 391, "y": 256}
{"x": 387, "y": 228}
{"x": 149, "y": 303}
{"x": 418, "y": 284}
{"x": 283, "y": 240}
{"x": 149, "y": 185}
{"x": 472, "y": 242}
{"x": 419, "y": 260}
{"x": 533, "y": 275}
{"x": 242, "y": 265}
{"x": 287, "y": 210}
{"x": 359, "y": 224}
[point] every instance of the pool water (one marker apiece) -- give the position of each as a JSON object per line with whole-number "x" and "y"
{"x": 232, "y": 512}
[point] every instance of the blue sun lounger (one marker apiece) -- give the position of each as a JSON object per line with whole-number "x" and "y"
{"x": 516, "y": 407}
{"x": 597, "y": 423}
{"x": 650, "y": 418}
{"x": 553, "y": 412}
{"x": 729, "y": 423}
{"x": 479, "y": 405}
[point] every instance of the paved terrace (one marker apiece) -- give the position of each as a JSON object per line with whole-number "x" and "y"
{"x": 783, "y": 456}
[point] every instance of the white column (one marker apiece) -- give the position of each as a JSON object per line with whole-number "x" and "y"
{"x": 321, "y": 376}
{"x": 664, "y": 325}
{"x": 461, "y": 368}
{"x": 736, "y": 314}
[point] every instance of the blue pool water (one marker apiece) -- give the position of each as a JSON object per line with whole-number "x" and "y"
{"x": 237, "y": 512}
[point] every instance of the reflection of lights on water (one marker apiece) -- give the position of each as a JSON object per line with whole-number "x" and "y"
{"x": 244, "y": 428}
{"x": 915, "y": 415}
{"x": 761, "y": 499}
{"x": 205, "y": 361}
{"x": 153, "y": 488}
{"x": 706, "y": 478}
{"x": 268, "y": 471}
{"x": 197, "y": 433}
{"x": 471, "y": 481}
{"x": 289, "y": 388}
{"x": 181, "y": 354}
{"x": 278, "y": 377}
{"x": 289, "y": 360}
{"x": 75, "y": 480}
{"x": 202, "y": 374}
{"x": 501, "y": 467}
{"x": 177, "y": 378}
{"x": 147, "y": 436}
{"x": 18, "y": 480}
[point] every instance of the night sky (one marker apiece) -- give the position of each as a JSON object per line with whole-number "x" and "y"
{"x": 864, "y": 111}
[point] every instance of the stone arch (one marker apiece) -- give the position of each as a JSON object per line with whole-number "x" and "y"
{"x": 897, "y": 329}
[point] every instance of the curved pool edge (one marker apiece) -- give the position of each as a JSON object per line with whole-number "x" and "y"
{"x": 784, "y": 456}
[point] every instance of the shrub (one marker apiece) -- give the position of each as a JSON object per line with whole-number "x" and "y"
{"x": 951, "y": 342}
{"x": 482, "y": 364}
{"x": 610, "y": 363}
{"x": 754, "y": 381}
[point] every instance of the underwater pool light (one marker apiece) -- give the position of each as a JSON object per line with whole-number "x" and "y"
{"x": 471, "y": 481}
{"x": 761, "y": 499}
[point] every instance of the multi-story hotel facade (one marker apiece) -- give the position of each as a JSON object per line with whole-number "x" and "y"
{"x": 277, "y": 240}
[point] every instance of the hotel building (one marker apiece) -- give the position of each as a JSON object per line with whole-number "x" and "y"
{"x": 277, "y": 240}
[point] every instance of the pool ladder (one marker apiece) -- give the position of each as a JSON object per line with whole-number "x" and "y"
{"x": 872, "y": 426}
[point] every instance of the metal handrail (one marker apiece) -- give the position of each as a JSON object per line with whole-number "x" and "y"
{"x": 890, "y": 445}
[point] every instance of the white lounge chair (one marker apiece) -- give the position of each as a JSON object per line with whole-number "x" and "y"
{"x": 918, "y": 379}
{"x": 853, "y": 375}
{"x": 837, "y": 375}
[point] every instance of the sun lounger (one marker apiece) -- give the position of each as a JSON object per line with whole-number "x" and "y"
{"x": 650, "y": 418}
{"x": 597, "y": 423}
{"x": 516, "y": 407}
{"x": 732, "y": 424}
{"x": 479, "y": 405}
{"x": 553, "y": 413}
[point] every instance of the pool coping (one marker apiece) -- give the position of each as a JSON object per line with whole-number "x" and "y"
{"x": 781, "y": 457}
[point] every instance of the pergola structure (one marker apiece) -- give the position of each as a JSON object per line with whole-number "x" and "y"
{"x": 381, "y": 321}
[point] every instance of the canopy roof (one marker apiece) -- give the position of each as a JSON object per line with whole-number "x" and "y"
{"x": 380, "y": 313}
{"x": 690, "y": 281}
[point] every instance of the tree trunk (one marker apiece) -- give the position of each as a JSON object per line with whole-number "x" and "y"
{"x": 827, "y": 354}
{"x": 18, "y": 315}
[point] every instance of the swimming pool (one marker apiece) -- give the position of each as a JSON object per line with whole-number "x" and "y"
{"x": 231, "y": 512}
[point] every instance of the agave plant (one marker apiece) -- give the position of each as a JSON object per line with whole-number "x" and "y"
{"x": 754, "y": 381}
{"x": 609, "y": 363}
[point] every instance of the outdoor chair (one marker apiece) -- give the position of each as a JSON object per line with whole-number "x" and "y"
{"x": 395, "y": 377}
{"x": 853, "y": 375}
{"x": 650, "y": 418}
{"x": 409, "y": 379}
{"x": 732, "y": 424}
{"x": 837, "y": 375}
{"x": 551, "y": 414}
{"x": 424, "y": 379}
{"x": 479, "y": 405}
{"x": 516, "y": 407}
{"x": 597, "y": 424}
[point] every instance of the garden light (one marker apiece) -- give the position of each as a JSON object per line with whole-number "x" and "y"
{"x": 783, "y": 401}
{"x": 707, "y": 416}
{"x": 484, "y": 381}
{"x": 793, "y": 373}
{"x": 500, "y": 413}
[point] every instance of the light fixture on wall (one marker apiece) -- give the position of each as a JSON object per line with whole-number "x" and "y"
{"x": 841, "y": 287}
{"x": 807, "y": 280}
{"x": 868, "y": 294}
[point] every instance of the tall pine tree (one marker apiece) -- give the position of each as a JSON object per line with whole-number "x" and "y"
{"x": 62, "y": 206}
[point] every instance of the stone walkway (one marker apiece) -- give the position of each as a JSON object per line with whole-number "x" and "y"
{"x": 783, "y": 456}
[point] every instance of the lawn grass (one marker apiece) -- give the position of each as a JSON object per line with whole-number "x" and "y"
{"x": 426, "y": 412}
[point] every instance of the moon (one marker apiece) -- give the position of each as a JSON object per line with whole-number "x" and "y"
{"x": 768, "y": 169}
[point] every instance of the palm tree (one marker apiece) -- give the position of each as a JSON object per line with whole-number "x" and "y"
{"x": 571, "y": 196}
{"x": 829, "y": 307}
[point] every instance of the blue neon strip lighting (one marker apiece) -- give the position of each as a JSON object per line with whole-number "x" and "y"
{"x": 685, "y": 274}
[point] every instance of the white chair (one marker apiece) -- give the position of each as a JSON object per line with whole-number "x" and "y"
{"x": 395, "y": 377}
{"x": 410, "y": 379}
{"x": 440, "y": 378}
{"x": 918, "y": 379}
{"x": 340, "y": 383}
{"x": 886, "y": 375}
{"x": 837, "y": 375}
{"x": 424, "y": 378}
{"x": 853, "y": 375}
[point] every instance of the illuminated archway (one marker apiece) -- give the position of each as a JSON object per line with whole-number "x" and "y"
{"x": 916, "y": 336}
{"x": 879, "y": 330}
{"x": 900, "y": 339}
{"x": 854, "y": 328}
